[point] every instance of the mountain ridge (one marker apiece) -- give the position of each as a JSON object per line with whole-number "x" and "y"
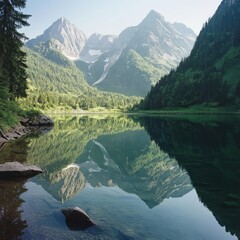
{"x": 158, "y": 46}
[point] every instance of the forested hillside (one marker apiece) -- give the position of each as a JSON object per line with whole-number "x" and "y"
{"x": 123, "y": 77}
{"x": 62, "y": 85}
{"x": 210, "y": 75}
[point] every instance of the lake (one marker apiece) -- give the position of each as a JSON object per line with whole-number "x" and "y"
{"x": 138, "y": 177}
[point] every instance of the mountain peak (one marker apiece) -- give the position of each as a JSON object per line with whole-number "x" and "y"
{"x": 66, "y": 37}
{"x": 152, "y": 19}
{"x": 62, "y": 21}
{"x": 154, "y": 15}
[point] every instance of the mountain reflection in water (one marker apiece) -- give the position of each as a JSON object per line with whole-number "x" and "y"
{"x": 209, "y": 150}
{"x": 106, "y": 152}
{"x": 157, "y": 159}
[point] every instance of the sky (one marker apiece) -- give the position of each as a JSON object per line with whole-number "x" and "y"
{"x": 113, "y": 16}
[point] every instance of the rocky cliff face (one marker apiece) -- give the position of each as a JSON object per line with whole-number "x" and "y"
{"x": 160, "y": 42}
{"x": 96, "y": 45}
{"x": 65, "y": 37}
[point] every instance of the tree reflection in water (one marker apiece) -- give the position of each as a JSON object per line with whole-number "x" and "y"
{"x": 11, "y": 223}
{"x": 209, "y": 151}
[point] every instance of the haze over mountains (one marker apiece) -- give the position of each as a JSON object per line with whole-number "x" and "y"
{"x": 129, "y": 63}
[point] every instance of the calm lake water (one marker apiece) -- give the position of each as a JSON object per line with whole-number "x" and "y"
{"x": 138, "y": 177}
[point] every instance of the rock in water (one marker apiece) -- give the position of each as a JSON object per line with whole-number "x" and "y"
{"x": 18, "y": 170}
{"x": 38, "y": 120}
{"x": 77, "y": 219}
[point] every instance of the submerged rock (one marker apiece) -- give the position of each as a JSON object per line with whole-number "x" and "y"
{"x": 18, "y": 170}
{"x": 77, "y": 219}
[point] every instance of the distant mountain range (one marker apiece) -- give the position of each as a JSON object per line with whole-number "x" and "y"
{"x": 129, "y": 63}
{"x": 210, "y": 76}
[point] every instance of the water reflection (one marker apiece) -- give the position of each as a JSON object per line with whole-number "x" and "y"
{"x": 209, "y": 151}
{"x": 131, "y": 161}
{"x": 106, "y": 152}
{"x": 14, "y": 151}
{"x": 96, "y": 161}
{"x": 11, "y": 223}
{"x": 63, "y": 184}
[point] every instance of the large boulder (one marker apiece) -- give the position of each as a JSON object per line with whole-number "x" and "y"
{"x": 37, "y": 124}
{"x": 37, "y": 120}
{"x": 18, "y": 170}
{"x": 77, "y": 219}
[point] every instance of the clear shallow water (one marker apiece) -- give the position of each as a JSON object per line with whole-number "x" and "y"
{"x": 141, "y": 178}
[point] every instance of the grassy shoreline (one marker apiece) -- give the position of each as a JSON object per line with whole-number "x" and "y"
{"x": 11, "y": 113}
{"x": 194, "y": 110}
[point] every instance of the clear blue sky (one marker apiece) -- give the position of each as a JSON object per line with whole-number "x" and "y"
{"x": 112, "y": 16}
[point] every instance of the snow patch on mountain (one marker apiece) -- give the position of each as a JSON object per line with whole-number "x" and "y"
{"x": 92, "y": 52}
{"x": 96, "y": 45}
{"x": 109, "y": 63}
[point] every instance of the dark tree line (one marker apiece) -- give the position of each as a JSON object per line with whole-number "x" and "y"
{"x": 12, "y": 59}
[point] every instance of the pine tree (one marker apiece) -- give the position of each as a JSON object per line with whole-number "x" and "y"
{"x": 12, "y": 58}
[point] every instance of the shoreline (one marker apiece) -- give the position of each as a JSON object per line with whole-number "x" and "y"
{"x": 13, "y": 134}
{"x": 192, "y": 110}
{"x": 28, "y": 125}
{"x": 24, "y": 127}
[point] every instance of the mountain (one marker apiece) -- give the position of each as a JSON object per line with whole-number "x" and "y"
{"x": 183, "y": 29}
{"x": 159, "y": 42}
{"x": 64, "y": 37}
{"x": 96, "y": 45}
{"x": 210, "y": 75}
{"x": 144, "y": 53}
{"x": 131, "y": 75}
{"x": 128, "y": 64}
